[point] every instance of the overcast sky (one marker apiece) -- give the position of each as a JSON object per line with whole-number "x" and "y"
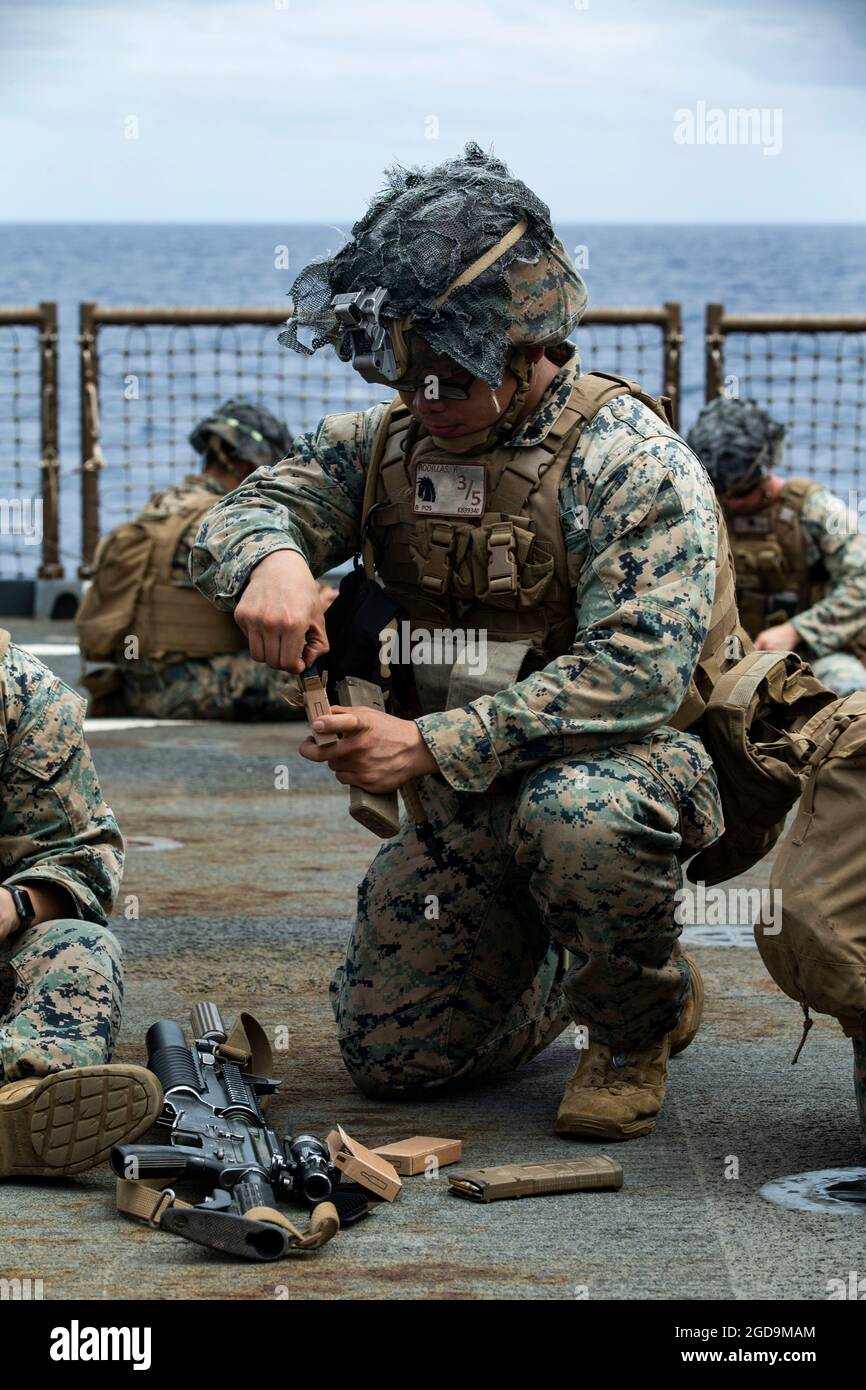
{"x": 288, "y": 110}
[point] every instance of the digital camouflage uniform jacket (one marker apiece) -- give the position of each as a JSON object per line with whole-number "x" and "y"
{"x": 833, "y": 539}
{"x": 54, "y": 824}
{"x": 639, "y": 523}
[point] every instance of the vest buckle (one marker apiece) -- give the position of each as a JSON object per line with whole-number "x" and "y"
{"x": 501, "y": 561}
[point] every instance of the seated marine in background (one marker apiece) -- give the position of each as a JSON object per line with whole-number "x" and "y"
{"x": 62, "y": 1105}
{"x": 171, "y": 653}
{"x": 799, "y": 555}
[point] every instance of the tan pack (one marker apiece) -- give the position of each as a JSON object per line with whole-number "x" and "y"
{"x": 753, "y": 730}
{"x": 132, "y": 593}
{"x": 819, "y": 956}
{"x": 770, "y": 557}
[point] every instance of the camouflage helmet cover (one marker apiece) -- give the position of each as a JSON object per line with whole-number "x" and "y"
{"x": 737, "y": 442}
{"x": 426, "y": 230}
{"x": 252, "y": 433}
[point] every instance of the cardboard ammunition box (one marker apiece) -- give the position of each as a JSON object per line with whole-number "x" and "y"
{"x": 363, "y": 1166}
{"x": 410, "y": 1156}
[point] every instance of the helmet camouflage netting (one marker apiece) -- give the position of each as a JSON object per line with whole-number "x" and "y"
{"x": 736, "y": 441}
{"x": 420, "y": 233}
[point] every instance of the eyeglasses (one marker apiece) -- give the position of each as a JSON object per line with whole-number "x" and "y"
{"x": 453, "y": 388}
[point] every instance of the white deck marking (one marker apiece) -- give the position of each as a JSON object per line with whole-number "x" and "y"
{"x": 732, "y": 934}
{"x": 123, "y": 722}
{"x": 49, "y": 648}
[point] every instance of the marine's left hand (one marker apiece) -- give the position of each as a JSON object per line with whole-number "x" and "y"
{"x": 784, "y": 638}
{"x": 376, "y": 751}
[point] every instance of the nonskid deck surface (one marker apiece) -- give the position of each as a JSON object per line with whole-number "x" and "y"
{"x": 245, "y": 895}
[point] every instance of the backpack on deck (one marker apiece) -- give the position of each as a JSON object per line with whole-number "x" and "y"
{"x": 133, "y": 592}
{"x": 819, "y": 956}
{"x": 107, "y": 609}
{"x": 753, "y": 728}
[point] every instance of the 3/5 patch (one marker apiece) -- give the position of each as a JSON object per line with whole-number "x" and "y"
{"x": 449, "y": 489}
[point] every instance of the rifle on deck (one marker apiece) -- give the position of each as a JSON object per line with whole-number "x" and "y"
{"x": 219, "y": 1137}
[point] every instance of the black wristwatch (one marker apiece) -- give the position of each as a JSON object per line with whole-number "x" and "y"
{"x": 23, "y": 905}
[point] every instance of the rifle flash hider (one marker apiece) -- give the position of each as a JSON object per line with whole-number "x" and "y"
{"x": 206, "y": 1022}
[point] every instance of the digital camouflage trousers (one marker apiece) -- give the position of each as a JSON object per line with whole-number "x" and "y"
{"x": 230, "y": 686}
{"x": 556, "y": 904}
{"x": 61, "y": 990}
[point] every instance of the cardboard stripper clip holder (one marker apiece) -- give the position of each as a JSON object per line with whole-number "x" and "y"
{"x": 376, "y": 811}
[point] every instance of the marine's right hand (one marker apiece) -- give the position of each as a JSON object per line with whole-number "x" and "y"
{"x": 280, "y": 612}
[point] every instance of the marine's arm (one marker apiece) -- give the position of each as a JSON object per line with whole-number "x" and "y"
{"x": 259, "y": 549}
{"x": 834, "y": 534}
{"x": 309, "y": 504}
{"x": 57, "y": 835}
{"x": 646, "y": 567}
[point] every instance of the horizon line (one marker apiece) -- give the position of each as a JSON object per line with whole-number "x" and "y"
{"x": 131, "y": 222}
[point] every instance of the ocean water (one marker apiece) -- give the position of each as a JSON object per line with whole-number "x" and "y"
{"x": 747, "y": 268}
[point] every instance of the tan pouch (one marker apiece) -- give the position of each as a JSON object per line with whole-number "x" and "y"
{"x": 819, "y": 956}
{"x": 751, "y": 727}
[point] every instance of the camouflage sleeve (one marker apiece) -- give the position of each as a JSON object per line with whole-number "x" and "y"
{"x": 54, "y": 825}
{"x": 833, "y": 535}
{"x": 311, "y": 503}
{"x": 640, "y": 527}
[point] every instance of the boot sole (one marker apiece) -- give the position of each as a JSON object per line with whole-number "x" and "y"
{"x": 70, "y": 1120}
{"x": 681, "y": 1040}
{"x": 589, "y": 1128}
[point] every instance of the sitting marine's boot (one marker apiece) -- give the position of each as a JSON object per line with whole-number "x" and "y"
{"x": 615, "y": 1095}
{"x": 693, "y": 1009}
{"x": 67, "y": 1122}
{"x": 860, "y": 1079}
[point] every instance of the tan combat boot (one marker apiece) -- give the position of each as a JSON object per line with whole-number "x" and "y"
{"x": 693, "y": 1011}
{"x": 51, "y": 1126}
{"x": 615, "y": 1095}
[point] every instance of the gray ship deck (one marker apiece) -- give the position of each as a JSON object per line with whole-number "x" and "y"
{"x": 251, "y": 906}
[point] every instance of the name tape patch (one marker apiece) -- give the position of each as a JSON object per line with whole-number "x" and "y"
{"x": 450, "y": 489}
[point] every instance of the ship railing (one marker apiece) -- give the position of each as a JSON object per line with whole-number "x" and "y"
{"x": 29, "y": 454}
{"x": 150, "y": 373}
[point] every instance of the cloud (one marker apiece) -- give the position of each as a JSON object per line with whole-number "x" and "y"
{"x": 261, "y": 110}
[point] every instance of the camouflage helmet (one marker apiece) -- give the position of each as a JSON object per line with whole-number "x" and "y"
{"x": 462, "y": 256}
{"x": 251, "y": 432}
{"x": 737, "y": 442}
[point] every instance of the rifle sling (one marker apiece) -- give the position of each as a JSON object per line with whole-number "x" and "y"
{"x": 148, "y": 1203}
